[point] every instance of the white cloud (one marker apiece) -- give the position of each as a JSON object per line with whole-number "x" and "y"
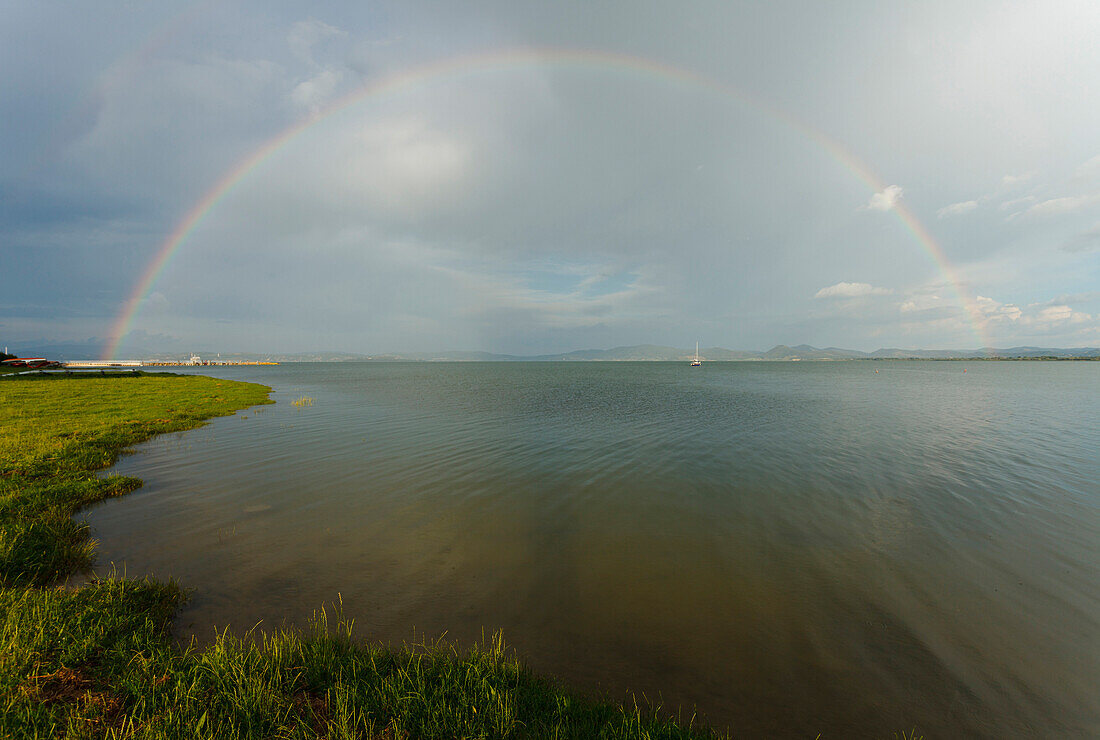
{"x": 1057, "y": 317}
{"x": 1010, "y": 181}
{"x": 1049, "y": 318}
{"x": 927, "y": 310}
{"x": 920, "y": 300}
{"x": 1007, "y": 184}
{"x": 404, "y": 161}
{"x": 957, "y": 209}
{"x": 1017, "y": 203}
{"x": 850, "y": 290}
{"x": 1054, "y": 313}
{"x": 314, "y": 93}
{"x": 1065, "y": 313}
{"x": 304, "y": 35}
{"x": 1088, "y": 170}
{"x": 1071, "y": 298}
{"x": 886, "y": 200}
{"x": 1060, "y": 206}
{"x": 996, "y": 312}
{"x": 155, "y": 302}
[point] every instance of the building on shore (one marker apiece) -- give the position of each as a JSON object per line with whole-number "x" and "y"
{"x": 103, "y": 363}
{"x": 192, "y": 361}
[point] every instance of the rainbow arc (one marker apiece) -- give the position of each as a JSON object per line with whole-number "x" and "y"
{"x": 509, "y": 60}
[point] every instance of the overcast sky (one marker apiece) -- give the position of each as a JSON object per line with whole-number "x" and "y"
{"x": 508, "y": 197}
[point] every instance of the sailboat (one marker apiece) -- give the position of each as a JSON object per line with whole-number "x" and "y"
{"x": 696, "y": 362}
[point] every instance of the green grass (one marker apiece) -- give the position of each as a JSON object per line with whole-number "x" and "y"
{"x": 98, "y": 661}
{"x": 58, "y": 431}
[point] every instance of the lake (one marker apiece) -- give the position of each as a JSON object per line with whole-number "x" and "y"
{"x": 849, "y": 548}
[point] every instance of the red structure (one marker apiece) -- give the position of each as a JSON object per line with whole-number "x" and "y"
{"x": 32, "y": 363}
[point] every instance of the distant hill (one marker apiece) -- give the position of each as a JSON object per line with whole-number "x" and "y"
{"x": 636, "y": 353}
{"x": 984, "y": 353}
{"x": 806, "y": 352}
{"x": 801, "y": 352}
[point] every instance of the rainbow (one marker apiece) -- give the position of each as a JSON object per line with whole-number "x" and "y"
{"x": 510, "y": 59}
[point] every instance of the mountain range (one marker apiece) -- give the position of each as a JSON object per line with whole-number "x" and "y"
{"x": 658, "y": 353}
{"x": 635, "y": 353}
{"x": 781, "y": 352}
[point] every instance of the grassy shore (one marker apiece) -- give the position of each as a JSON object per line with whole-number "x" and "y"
{"x": 98, "y": 661}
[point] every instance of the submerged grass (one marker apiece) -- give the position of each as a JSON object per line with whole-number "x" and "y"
{"x": 58, "y": 431}
{"x": 98, "y": 661}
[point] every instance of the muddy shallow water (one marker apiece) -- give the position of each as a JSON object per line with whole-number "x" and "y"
{"x": 791, "y": 548}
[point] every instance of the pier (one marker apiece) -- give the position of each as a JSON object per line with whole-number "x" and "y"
{"x": 193, "y": 362}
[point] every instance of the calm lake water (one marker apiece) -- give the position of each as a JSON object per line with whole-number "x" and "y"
{"x": 792, "y": 548}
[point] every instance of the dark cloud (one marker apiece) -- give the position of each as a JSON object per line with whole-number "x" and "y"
{"x": 536, "y": 206}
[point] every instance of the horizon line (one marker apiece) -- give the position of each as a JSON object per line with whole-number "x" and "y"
{"x": 418, "y": 355}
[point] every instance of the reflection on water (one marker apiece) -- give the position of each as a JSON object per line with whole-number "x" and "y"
{"x": 793, "y": 548}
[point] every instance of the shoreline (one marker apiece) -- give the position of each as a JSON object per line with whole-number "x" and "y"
{"x": 99, "y": 657}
